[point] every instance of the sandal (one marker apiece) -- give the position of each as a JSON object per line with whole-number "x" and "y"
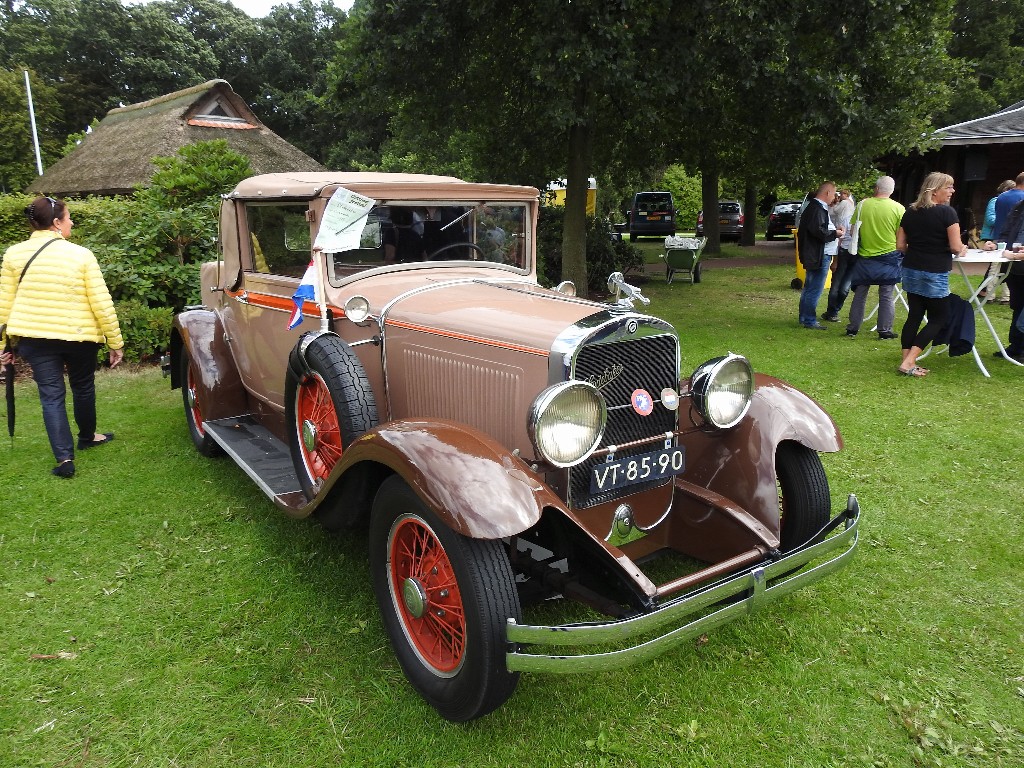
{"x": 83, "y": 444}
{"x": 917, "y": 372}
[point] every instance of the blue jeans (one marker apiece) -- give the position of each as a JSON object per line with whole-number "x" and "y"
{"x": 48, "y": 357}
{"x": 814, "y": 283}
{"x": 840, "y": 282}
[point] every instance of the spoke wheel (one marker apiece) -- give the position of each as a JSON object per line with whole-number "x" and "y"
{"x": 317, "y": 425}
{"x": 193, "y": 410}
{"x": 424, "y": 588}
{"x": 328, "y": 404}
{"x": 445, "y": 601}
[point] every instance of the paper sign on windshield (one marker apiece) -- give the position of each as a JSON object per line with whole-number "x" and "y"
{"x": 343, "y": 222}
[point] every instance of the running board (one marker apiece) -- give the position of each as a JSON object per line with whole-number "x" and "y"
{"x": 261, "y": 455}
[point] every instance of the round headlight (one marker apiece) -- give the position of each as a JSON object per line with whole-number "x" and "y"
{"x": 722, "y": 389}
{"x": 566, "y": 288}
{"x": 357, "y": 309}
{"x": 567, "y": 421}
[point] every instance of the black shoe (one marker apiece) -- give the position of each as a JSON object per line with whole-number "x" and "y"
{"x": 1011, "y": 353}
{"x": 816, "y": 327}
{"x": 830, "y": 318}
{"x": 83, "y": 444}
{"x": 65, "y": 469}
{"x": 886, "y": 335}
{"x": 851, "y": 334}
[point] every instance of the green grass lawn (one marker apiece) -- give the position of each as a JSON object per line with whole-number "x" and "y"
{"x": 157, "y": 610}
{"x": 653, "y": 247}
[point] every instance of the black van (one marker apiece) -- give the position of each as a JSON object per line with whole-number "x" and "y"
{"x": 653, "y": 214}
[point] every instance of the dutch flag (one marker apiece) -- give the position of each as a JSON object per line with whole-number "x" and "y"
{"x": 305, "y": 292}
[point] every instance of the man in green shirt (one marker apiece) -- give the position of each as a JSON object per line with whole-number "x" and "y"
{"x": 879, "y": 218}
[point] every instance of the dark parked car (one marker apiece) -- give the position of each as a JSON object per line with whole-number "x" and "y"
{"x": 730, "y": 220}
{"x": 501, "y": 444}
{"x": 782, "y": 219}
{"x": 652, "y": 214}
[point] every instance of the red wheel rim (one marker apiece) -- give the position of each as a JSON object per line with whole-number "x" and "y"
{"x": 426, "y": 593}
{"x": 193, "y": 403}
{"x": 317, "y": 425}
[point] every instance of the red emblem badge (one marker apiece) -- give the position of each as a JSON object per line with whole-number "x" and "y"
{"x": 642, "y": 402}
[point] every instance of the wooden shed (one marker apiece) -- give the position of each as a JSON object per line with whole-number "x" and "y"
{"x": 977, "y": 153}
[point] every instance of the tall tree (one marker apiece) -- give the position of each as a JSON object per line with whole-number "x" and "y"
{"x": 99, "y": 54}
{"x": 531, "y": 91}
{"x": 802, "y": 93}
{"x": 17, "y": 155}
{"x": 290, "y": 73}
{"x": 233, "y": 38}
{"x": 988, "y": 46}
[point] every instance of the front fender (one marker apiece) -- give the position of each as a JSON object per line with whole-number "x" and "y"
{"x": 739, "y": 464}
{"x": 477, "y": 486}
{"x": 218, "y": 386}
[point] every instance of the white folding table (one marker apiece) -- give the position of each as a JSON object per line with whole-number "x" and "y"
{"x": 991, "y": 282}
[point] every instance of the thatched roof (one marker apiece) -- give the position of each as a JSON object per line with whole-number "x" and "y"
{"x": 1003, "y": 127}
{"x": 115, "y": 157}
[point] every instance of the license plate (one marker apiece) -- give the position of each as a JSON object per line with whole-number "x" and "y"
{"x": 637, "y": 469}
{"x": 723, "y": 221}
{"x": 654, "y": 218}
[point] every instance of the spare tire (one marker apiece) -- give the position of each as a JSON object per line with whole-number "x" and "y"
{"x": 328, "y": 404}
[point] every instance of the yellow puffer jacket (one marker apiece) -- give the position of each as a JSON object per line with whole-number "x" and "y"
{"x": 63, "y": 295}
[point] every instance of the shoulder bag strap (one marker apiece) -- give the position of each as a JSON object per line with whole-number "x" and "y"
{"x": 31, "y": 259}
{"x": 3, "y": 328}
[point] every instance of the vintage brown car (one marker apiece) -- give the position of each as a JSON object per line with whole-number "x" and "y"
{"x": 504, "y": 443}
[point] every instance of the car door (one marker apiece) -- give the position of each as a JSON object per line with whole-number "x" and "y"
{"x": 275, "y": 250}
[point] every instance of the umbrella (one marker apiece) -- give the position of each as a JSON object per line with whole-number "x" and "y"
{"x": 9, "y": 393}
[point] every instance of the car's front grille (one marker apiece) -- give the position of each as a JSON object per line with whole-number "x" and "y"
{"x": 648, "y": 363}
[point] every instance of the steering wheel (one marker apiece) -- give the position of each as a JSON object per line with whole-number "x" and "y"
{"x": 448, "y": 247}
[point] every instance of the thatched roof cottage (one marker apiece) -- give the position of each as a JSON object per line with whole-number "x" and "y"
{"x": 116, "y": 157}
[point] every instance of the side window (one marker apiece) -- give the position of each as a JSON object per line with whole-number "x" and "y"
{"x": 278, "y": 238}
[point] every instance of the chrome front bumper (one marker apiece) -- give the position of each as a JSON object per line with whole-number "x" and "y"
{"x": 752, "y": 581}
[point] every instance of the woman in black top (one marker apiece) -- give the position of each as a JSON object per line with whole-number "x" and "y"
{"x": 928, "y": 236}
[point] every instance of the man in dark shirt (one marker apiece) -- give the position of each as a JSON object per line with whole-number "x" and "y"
{"x": 815, "y": 230}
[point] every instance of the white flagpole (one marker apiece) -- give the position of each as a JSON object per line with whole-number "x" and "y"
{"x": 321, "y": 293}
{"x": 32, "y": 119}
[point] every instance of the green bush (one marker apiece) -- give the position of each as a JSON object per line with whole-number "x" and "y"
{"x": 150, "y": 246}
{"x": 145, "y": 330}
{"x": 604, "y": 255}
{"x": 13, "y": 225}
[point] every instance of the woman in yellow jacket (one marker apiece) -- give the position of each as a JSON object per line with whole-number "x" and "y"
{"x": 54, "y": 303}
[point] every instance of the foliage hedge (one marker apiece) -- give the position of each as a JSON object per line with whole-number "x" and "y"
{"x": 149, "y": 246}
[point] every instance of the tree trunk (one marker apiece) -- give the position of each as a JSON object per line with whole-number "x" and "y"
{"x": 574, "y": 230}
{"x": 749, "y": 214}
{"x": 709, "y": 202}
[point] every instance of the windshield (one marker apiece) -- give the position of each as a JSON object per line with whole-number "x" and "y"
{"x": 404, "y": 234}
{"x": 653, "y": 201}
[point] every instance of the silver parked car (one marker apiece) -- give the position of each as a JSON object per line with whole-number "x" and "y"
{"x": 730, "y": 220}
